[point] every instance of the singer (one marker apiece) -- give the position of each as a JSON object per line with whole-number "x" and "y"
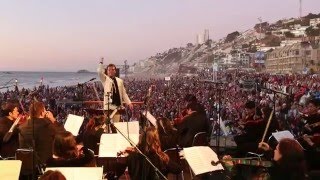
{"x": 114, "y": 88}
{"x": 10, "y": 113}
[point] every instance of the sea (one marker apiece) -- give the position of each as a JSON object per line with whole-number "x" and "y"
{"x": 29, "y": 80}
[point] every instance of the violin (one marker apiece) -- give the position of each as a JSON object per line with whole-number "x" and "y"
{"x": 310, "y": 127}
{"x": 252, "y": 161}
{"x": 182, "y": 114}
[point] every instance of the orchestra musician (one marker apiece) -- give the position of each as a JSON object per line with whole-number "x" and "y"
{"x": 287, "y": 159}
{"x": 93, "y": 131}
{"x": 253, "y": 127}
{"x": 114, "y": 89}
{"x": 167, "y": 133}
{"x": 66, "y": 153}
{"x": 189, "y": 99}
{"x": 10, "y": 113}
{"x": 310, "y": 140}
{"x": 149, "y": 144}
{"x": 40, "y": 128}
{"x": 191, "y": 124}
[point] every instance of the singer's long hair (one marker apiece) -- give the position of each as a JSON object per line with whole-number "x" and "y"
{"x": 65, "y": 146}
{"x": 150, "y": 143}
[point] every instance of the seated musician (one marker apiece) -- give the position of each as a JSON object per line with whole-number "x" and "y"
{"x": 10, "y": 114}
{"x": 167, "y": 133}
{"x": 312, "y": 117}
{"x": 189, "y": 99}
{"x": 254, "y": 127}
{"x": 311, "y": 137}
{"x": 42, "y": 128}
{"x": 93, "y": 131}
{"x": 193, "y": 123}
{"x": 288, "y": 161}
{"x": 149, "y": 144}
{"x": 66, "y": 153}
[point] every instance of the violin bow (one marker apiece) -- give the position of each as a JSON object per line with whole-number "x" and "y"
{"x": 267, "y": 126}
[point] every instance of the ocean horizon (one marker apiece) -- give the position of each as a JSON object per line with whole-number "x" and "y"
{"x": 31, "y": 79}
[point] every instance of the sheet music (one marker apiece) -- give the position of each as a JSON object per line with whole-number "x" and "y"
{"x": 133, "y": 127}
{"x": 111, "y": 144}
{"x": 10, "y": 169}
{"x": 73, "y": 124}
{"x": 80, "y": 173}
{"x": 150, "y": 118}
{"x": 282, "y": 134}
{"x": 199, "y": 159}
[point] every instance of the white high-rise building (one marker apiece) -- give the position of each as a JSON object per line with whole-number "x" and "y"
{"x": 200, "y": 38}
{"x": 206, "y": 35}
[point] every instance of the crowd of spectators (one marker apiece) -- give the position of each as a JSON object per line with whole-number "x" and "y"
{"x": 227, "y": 96}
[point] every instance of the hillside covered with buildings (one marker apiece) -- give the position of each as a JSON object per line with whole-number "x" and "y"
{"x": 286, "y": 46}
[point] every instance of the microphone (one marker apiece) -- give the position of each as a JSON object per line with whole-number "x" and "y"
{"x": 8, "y": 135}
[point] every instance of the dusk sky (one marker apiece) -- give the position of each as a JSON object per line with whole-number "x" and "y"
{"x": 68, "y": 35}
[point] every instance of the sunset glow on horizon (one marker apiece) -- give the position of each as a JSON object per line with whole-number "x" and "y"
{"x": 70, "y": 35}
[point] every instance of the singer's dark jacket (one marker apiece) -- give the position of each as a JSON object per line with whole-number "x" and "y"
{"x": 8, "y": 149}
{"x": 44, "y": 134}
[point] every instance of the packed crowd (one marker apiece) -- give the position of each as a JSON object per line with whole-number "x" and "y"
{"x": 230, "y": 94}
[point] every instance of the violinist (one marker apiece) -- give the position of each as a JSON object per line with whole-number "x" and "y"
{"x": 311, "y": 138}
{"x": 193, "y": 123}
{"x": 40, "y": 128}
{"x": 149, "y": 144}
{"x": 288, "y": 158}
{"x": 10, "y": 112}
{"x": 288, "y": 162}
{"x": 189, "y": 99}
{"x": 93, "y": 131}
{"x": 167, "y": 133}
{"x": 312, "y": 117}
{"x": 253, "y": 128}
{"x": 66, "y": 153}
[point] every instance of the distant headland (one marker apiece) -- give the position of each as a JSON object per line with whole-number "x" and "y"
{"x": 83, "y": 71}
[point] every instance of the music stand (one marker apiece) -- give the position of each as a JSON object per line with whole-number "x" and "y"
{"x": 80, "y": 173}
{"x": 10, "y": 169}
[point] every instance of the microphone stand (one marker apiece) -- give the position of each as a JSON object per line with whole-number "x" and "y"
{"x": 218, "y": 108}
{"x": 108, "y": 120}
{"x": 144, "y": 129}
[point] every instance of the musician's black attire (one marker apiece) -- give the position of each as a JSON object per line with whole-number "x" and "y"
{"x": 254, "y": 129}
{"x": 44, "y": 134}
{"x": 190, "y": 126}
{"x": 140, "y": 169}
{"x": 8, "y": 149}
{"x": 85, "y": 160}
{"x": 312, "y": 152}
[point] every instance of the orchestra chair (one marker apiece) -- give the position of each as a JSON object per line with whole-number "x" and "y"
{"x": 27, "y": 156}
{"x": 173, "y": 154}
{"x": 200, "y": 139}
